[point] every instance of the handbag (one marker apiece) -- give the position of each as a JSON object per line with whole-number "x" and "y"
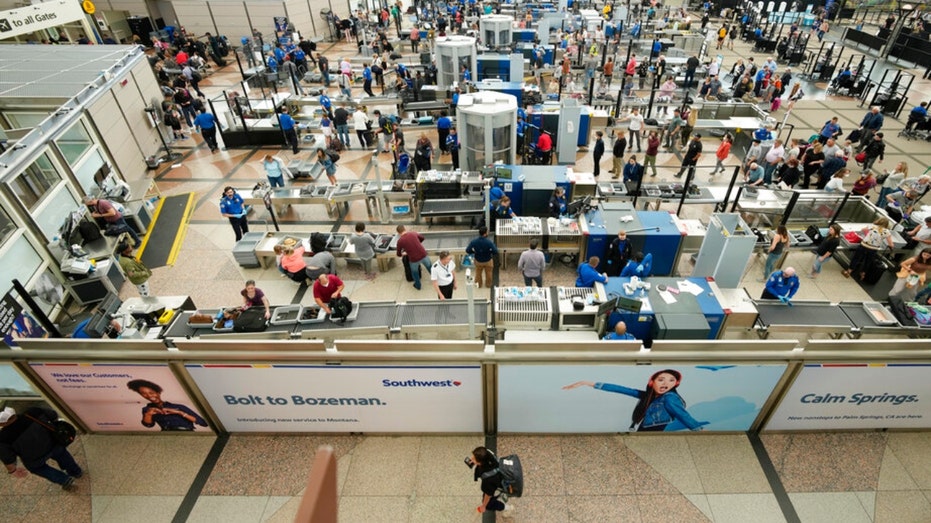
{"x": 860, "y": 157}
{"x": 63, "y": 433}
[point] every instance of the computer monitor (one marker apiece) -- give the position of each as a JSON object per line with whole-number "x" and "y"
{"x": 579, "y": 206}
{"x": 503, "y": 173}
{"x": 629, "y": 304}
{"x": 607, "y": 307}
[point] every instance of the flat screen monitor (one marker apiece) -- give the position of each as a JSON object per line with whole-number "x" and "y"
{"x": 607, "y": 307}
{"x": 579, "y": 206}
{"x": 629, "y": 304}
{"x": 504, "y": 173}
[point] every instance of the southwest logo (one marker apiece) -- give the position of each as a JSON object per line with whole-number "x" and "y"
{"x": 418, "y": 383}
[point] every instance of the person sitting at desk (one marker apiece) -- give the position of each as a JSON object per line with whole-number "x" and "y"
{"x": 327, "y": 287}
{"x": 112, "y": 331}
{"x": 781, "y": 285}
{"x": 254, "y": 297}
{"x": 641, "y": 265}
{"x": 620, "y": 333}
{"x": 322, "y": 262}
{"x": 588, "y": 273}
{"x": 100, "y": 208}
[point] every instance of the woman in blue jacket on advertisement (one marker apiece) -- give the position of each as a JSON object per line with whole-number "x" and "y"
{"x": 659, "y": 407}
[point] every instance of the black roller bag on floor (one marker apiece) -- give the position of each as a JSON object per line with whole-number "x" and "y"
{"x": 218, "y": 59}
{"x": 874, "y": 271}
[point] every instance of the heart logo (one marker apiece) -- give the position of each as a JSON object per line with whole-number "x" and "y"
{"x": 457, "y": 383}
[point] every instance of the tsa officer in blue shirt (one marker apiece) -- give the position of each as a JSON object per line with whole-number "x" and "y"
{"x": 781, "y": 285}
{"x": 233, "y": 208}
{"x": 289, "y": 128}
{"x": 367, "y": 80}
{"x": 588, "y": 273}
{"x": 620, "y": 333}
{"x": 206, "y": 123}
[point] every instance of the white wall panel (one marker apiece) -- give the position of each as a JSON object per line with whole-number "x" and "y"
{"x": 135, "y": 7}
{"x": 194, "y": 16}
{"x": 299, "y": 15}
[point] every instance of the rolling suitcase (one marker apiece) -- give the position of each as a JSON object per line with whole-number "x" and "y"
{"x": 218, "y": 60}
{"x": 874, "y": 271}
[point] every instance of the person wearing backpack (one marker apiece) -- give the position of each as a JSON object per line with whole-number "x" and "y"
{"x": 484, "y": 461}
{"x": 29, "y": 438}
{"x": 326, "y": 161}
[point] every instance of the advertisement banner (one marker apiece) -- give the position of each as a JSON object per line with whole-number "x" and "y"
{"x": 641, "y": 398}
{"x": 856, "y": 396}
{"x": 123, "y": 397}
{"x": 342, "y": 398}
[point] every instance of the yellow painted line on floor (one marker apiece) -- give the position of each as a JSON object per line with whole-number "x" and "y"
{"x": 145, "y": 240}
{"x": 182, "y": 231}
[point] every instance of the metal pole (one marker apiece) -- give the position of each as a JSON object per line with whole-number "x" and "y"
{"x": 470, "y": 296}
{"x": 379, "y": 189}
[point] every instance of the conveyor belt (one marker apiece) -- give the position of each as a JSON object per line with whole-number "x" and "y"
{"x": 822, "y": 316}
{"x": 451, "y": 207}
{"x": 370, "y": 315}
{"x": 440, "y": 313}
{"x": 862, "y": 319}
{"x": 179, "y": 327}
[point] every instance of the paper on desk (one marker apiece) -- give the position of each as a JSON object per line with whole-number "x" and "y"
{"x": 667, "y": 297}
{"x": 690, "y": 287}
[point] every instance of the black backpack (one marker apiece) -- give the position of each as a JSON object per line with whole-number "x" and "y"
{"x": 195, "y": 76}
{"x": 89, "y": 232}
{"x": 250, "y": 320}
{"x": 340, "y": 308}
{"x": 318, "y": 242}
{"x": 512, "y": 476}
{"x": 334, "y": 156}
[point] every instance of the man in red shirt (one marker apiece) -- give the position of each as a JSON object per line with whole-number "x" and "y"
{"x": 410, "y": 245}
{"x": 631, "y": 66}
{"x": 101, "y": 208}
{"x": 327, "y": 287}
{"x": 181, "y": 57}
{"x": 545, "y": 147}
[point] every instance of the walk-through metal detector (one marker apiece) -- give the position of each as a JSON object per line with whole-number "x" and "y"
{"x": 823, "y": 64}
{"x": 891, "y": 93}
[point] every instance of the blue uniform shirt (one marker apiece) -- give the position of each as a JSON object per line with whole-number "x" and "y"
{"x": 779, "y": 285}
{"x": 287, "y": 123}
{"x": 205, "y": 121}
{"x": 588, "y": 275}
{"x": 619, "y": 337}
{"x": 232, "y": 205}
{"x": 367, "y": 74}
{"x": 444, "y": 122}
{"x": 482, "y": 248}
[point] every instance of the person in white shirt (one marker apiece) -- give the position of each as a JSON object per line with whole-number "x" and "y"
{"x": 836, "y": 183}
{"x": 922, "y": 235}
{"x": 713, "y": 68}
{"x": 636, "y": 124}
{"x": 773, "y": 158}
{"x": 360, "y": 122}
{"x": 443, "y": 276}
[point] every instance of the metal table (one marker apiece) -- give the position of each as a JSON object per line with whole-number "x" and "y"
{"x": 450, "y": 208}
{"x": 804, "y": 316}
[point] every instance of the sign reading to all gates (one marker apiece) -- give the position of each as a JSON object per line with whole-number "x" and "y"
{"x": 42, "y": 15}
{"x": 342, "y": 398}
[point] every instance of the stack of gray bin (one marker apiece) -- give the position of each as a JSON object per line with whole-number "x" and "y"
{"x": 244, "y": 251}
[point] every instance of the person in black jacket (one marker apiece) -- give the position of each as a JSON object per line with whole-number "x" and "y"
{"x": 24, "y": 437}
{"x": 875, "y": 149}
{"x": 598, "y": 151}
{"x": 618, "y": 254}
{"x": 484, "y": 461}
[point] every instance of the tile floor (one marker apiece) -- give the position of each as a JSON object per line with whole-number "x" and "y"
{"x": 845, "y": 477}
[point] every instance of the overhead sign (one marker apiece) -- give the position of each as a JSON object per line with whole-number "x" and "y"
{"x": 342, "y": 398}
{"x": 856, "y": 396}
{"x": 25, "y": 20}
{"x": 123, "y": 397}
{"x": 638, "y": 398}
